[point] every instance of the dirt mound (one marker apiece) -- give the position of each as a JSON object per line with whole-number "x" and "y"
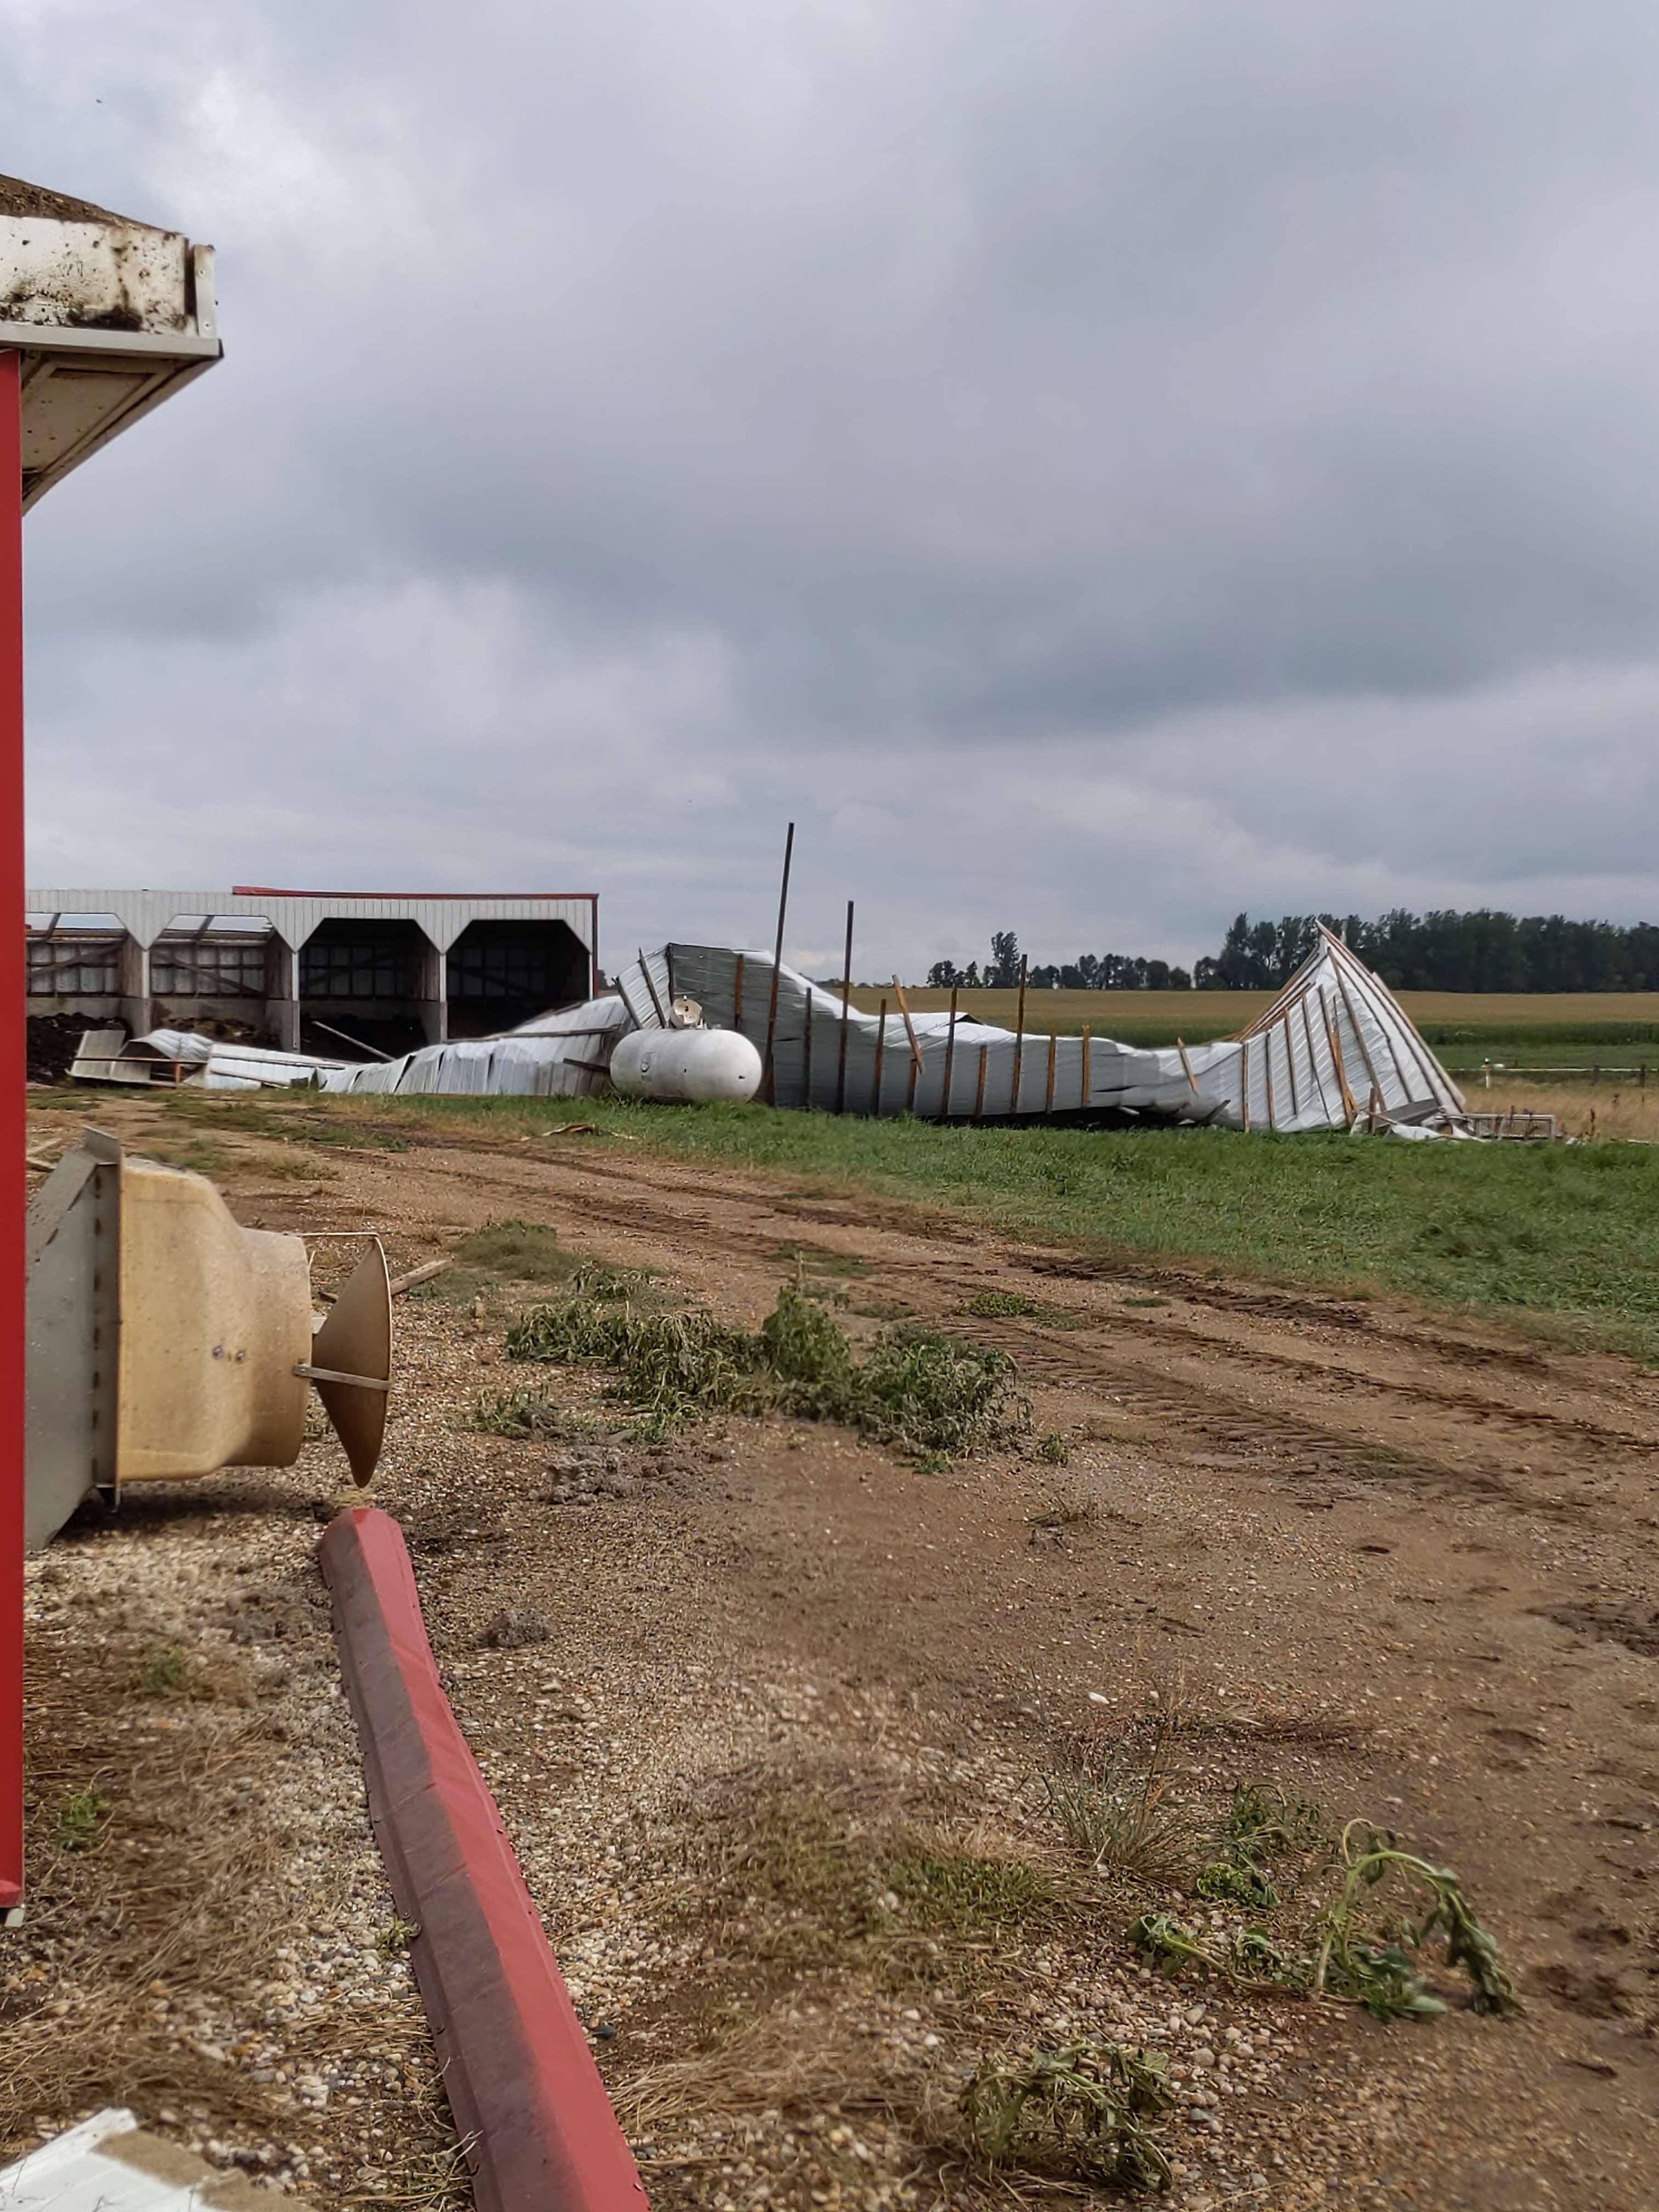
{"x": 52, "y": 1042}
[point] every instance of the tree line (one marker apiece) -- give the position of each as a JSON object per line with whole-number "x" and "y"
{"x": 1445, "y": 951}
{"x": 1090, "y": 971}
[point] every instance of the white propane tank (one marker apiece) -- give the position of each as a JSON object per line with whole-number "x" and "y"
{"x": 688, "y": 1067}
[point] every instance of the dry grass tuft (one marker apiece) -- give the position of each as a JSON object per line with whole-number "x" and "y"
{"x": 1112, "y": 1796}
{"x": 756, "y": 2065}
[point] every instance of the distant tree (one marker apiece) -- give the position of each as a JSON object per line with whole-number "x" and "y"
{"x": 1002, "y": 973}
{"x": 943, "y": 975}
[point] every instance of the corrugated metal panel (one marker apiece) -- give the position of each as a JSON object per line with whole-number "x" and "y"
{"x": 558, "y": 1055}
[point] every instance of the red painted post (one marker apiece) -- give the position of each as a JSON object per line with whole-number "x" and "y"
{"x": 13, "y": 1182}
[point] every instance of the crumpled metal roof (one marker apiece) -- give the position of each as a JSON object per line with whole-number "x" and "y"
{"x": 563, "y": 1054}
{"x": 1334, "y": 1051}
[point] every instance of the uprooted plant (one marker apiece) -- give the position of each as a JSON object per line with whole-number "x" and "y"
{"x": 914, "y": 1391}
{"x": 1089, "y": 2111}
{"x": 1376, "y": 1963}
{"x": 1383, "y": 1975}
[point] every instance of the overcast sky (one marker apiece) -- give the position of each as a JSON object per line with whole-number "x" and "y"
{"x": 1097, "y": 465}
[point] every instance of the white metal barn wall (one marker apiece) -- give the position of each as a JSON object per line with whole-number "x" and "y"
{"x": 296, "y": 917}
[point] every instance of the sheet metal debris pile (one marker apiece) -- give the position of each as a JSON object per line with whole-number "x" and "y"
{"x": 1336, "y": 1050}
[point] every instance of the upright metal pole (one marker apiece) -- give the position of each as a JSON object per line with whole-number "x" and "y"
{"x": 777, "y": 963}
{"x": 14, "y": 1188}
{"x": 949, "y": 1057}
{"x": 1019, "y": 1039}
{"x": 846, "y": 1003}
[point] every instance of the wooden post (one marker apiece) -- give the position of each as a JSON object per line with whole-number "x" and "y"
{"x": 910, "y": 1026}
{"x": 881, "y": 1047}
{"x": 1187, "y": 1068}
{"x": 1019, "y": 1039}
{"x": 846, "y": 1005}
{"x": 915, "y": 1049}
{"x": 1348, "y": 1106}
{"x": 771, "y": 1082}
{"x": 950, "y": 1058}
{"x": 979, "y": 1090}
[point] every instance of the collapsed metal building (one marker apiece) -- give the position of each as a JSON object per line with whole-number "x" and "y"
{"x": 1334, "y": 1050}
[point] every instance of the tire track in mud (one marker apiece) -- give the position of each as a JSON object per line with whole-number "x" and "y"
{"x": 1215, "y": 1411}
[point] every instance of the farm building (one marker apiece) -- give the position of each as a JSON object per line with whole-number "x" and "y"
{"x": 309, "y": 970}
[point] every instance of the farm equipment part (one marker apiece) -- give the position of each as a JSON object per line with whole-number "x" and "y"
{"x": 166, "y": 1341}
{"x": 102, "y": 320}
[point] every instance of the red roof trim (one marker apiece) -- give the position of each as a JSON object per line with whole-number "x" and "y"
{"x": 410, "y": 898}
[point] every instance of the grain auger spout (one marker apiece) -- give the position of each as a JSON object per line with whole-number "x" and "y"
{"x": 166, "y": 1340}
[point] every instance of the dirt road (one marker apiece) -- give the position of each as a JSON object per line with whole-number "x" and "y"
{"x": 1400, "y": 1567}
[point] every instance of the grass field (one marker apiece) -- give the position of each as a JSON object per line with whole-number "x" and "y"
{"x": 1573, "y": 1030}
{"x": 1567, "y": 1235}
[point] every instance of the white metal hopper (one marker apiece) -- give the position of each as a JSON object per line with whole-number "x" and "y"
{"x": 111, "y": 317}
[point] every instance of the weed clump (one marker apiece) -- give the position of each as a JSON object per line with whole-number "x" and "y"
{"x": 163, "y": 1672}
{"x": 914, "y": 1391}
{"x": 927, "y": 1396}
{"x": 996, "y": 1305}
{"x": 81, "y": 1819}
{"x": 515, "y": 1413}
{"x": 1086, "y": 2113}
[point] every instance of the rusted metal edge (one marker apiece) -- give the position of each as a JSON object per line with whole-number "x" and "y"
{"x": 527, "y": 2098}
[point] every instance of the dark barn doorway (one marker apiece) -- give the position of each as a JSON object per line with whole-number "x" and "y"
{"x": 501, "y": 973}
{"x": 369, "y": 981}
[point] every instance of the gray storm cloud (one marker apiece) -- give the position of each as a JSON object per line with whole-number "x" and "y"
{"x": 1095, "y": 469}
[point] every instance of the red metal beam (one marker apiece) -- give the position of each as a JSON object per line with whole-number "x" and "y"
{"x": 412, "y": 898}
{"x": 13, "y": 1187}
{"x": 527, "y": 2098}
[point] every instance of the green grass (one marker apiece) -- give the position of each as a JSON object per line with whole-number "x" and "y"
{"x": 1563, "y": 1234}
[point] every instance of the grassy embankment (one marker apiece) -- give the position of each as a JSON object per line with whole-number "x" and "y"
{"x": 1565, "y": 1235}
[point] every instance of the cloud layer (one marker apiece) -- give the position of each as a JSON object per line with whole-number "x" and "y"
{"x": 1093, "y": 468}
